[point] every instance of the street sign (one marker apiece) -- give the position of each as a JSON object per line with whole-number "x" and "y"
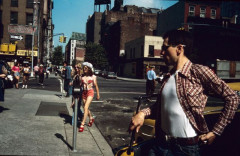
{"x": 18, "y": 37}
{"x": 21, "y": 29}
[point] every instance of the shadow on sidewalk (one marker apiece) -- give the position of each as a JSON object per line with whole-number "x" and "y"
{"x": 3, "y": 109}
{"x": 59, "y": 136}
{"x": 67, "y": 118}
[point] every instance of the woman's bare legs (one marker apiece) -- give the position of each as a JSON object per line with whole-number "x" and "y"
{"x": 86, "y": 104}
{"x": 17, "y": 79}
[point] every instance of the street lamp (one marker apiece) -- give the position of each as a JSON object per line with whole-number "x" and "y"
{"x": 35, "y": 25}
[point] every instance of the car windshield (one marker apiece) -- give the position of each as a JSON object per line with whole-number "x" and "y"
{"x": 111, "y": 73}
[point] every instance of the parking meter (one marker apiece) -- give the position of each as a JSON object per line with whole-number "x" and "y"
{"x": 76, "y": 92}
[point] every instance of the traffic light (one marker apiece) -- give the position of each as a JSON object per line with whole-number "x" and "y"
{"x": 61, "y": 39}
{"x": 64, "y": 39}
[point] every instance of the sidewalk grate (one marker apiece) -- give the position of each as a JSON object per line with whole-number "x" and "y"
{"x": 52, "y": 109}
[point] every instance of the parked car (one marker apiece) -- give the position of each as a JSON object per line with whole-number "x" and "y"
{"x": 104, "y": 73}
{"x": 97, "y": 72}
{"x": 111, "y": 75}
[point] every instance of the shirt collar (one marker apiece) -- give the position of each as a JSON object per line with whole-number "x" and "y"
{"x": 184, "y": 71}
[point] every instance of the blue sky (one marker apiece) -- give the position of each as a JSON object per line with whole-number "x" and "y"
{"x": 71, "y": 15}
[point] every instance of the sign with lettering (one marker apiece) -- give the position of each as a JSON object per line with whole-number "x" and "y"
{"x": 21, "y": 29}
{"x": 18, "y": 37}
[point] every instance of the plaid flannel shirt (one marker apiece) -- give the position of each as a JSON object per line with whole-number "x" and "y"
{"x": 193, "y": 83}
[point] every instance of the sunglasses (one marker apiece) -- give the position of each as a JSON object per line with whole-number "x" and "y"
{"x": 165, "y": 47}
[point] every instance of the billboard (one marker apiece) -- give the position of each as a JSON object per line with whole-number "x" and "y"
{"x": 99, "y": 2}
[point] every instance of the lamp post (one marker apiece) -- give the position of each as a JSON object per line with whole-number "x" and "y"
{"x": 35, "y": 25}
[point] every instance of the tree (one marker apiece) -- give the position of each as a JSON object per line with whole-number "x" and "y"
{"x": 57, "y": 56}
{"x": 96, "y": 55}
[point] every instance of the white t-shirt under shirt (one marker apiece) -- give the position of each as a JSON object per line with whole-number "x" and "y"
{"x": 173, "y": 119}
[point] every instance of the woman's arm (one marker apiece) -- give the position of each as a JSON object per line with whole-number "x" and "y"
{"x": 97, "y": 89}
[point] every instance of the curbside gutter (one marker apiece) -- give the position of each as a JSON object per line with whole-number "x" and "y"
{"x": 130, "y": 79}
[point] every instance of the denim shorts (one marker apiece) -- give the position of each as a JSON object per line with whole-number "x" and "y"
{"x": 16, "y": 74}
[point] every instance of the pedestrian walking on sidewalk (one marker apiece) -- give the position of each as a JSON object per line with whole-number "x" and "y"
{"x": 3, "y": 74}
{"x": 16, "y": 71}
{"x": 77, "y": 73}
{"x": 41, "y": 72}
{"x": 26, "y": 74}
{"x": 180, "y": 125}
{"x": 36, "y": 68}
{"x": 67, "y": 77}
{"x": 88, "y": 81}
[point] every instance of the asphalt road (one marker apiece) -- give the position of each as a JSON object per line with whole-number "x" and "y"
{"x": 114, "y": 109}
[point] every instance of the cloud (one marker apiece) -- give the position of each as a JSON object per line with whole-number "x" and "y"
{"x": 144, "y": 3}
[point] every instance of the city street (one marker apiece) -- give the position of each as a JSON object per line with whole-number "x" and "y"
{"x": 116, "y": 106}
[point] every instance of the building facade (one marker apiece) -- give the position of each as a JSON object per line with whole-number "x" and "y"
{"x": 22, "y": 29}
{"x": 123, "y": 25}
{"x": 140, "y": 54}
{"x": 75, "y": 48}
{"x": 93, "y": 28}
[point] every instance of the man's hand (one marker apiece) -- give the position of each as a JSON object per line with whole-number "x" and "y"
{"x": 208, "y": 138}
{"x": 137, "y": 122}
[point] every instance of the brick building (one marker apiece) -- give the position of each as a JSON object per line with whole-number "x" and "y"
{"x": 93, "y": 28}
{"x": 214, "y": 33}
{"x": 123, "y": 25}
{"x": 19, "y": 15}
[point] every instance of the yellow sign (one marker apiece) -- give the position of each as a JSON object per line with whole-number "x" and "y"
{"x": 26, "y": 53}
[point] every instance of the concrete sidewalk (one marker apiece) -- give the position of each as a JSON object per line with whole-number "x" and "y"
{"x": 28, "y": 127}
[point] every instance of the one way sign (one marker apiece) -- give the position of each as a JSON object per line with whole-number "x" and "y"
{"x": 18, "y": 37}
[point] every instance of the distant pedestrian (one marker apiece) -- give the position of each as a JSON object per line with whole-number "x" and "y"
{"x": 41, "y": 72}
{"x": 88, "y": 81}
{"x": 16, "y": 71}
{"x": 3, "y": 74}
{"x": 67, "y": 77}
{"x": 36, "y": 68}
{"x": 150, "y": 84}
{"x": 26, "y": 74}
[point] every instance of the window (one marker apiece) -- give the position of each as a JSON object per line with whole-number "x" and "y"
{"x": 151, "y": 51}
{"x": 191, "y": 10}
{"x": 28, "y": 41}
{"x": 142, "y": 52}
{"x": 213, "y": 14}
{"x": 1, "y": 30}
{"x": 202, "y": 12}
{"x": 133, "y": 52}
{"x": 1, "y": 25}
{"x": 14, "y": 18}
{"x": 14, "y": 3}
{"x": 0, "y": 16}
{"x": 29, "y": 3}
{"x": 29, "y": 19}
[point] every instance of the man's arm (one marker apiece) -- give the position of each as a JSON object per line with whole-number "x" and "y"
{"x": 138, "y": 119}
{"x": 231, "y": 100}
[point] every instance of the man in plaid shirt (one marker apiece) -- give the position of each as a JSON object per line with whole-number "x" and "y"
{"x": 180, "y": 125}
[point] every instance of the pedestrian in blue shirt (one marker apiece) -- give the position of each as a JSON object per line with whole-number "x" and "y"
{"x": 67, "y": 78}
{"x": 150, "y": 84}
